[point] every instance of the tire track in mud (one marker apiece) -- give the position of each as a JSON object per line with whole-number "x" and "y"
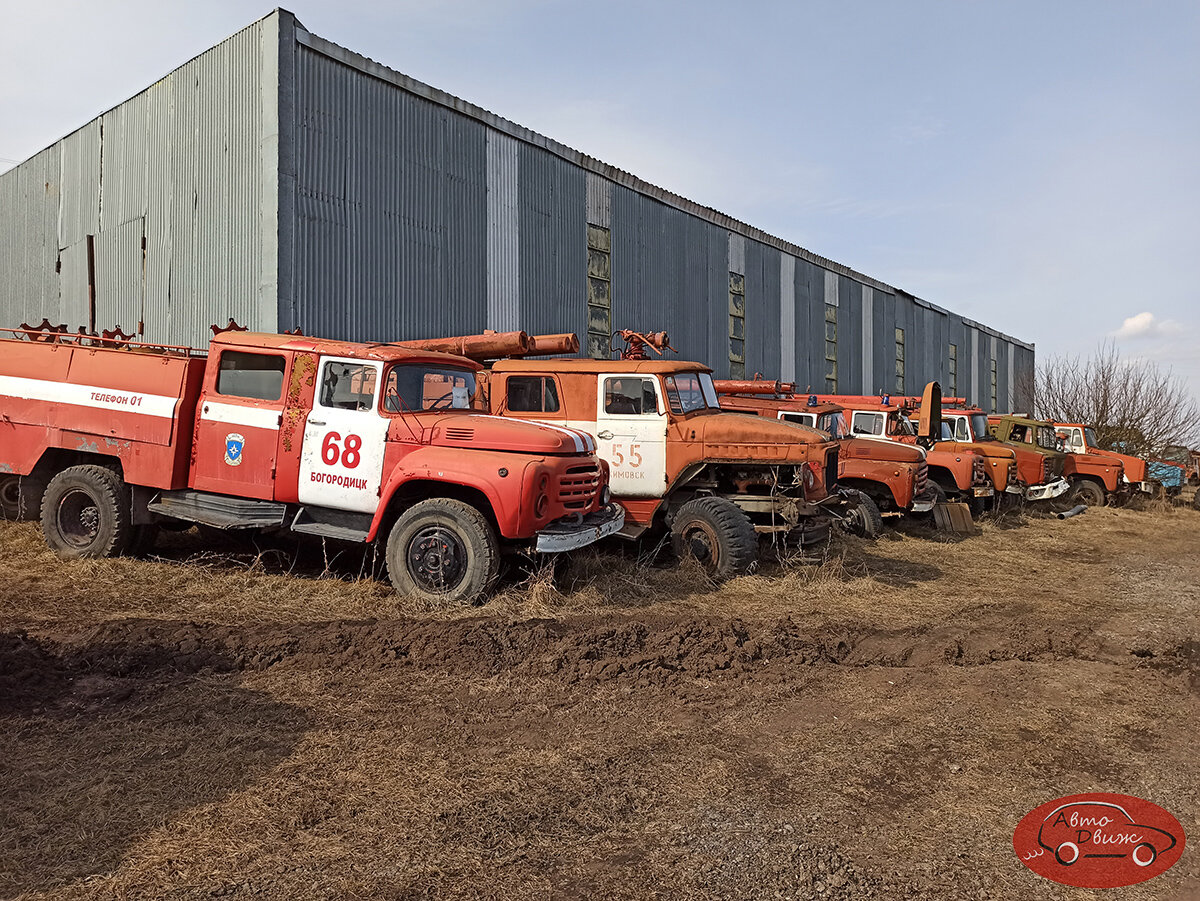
{"x": 638, "y": 653}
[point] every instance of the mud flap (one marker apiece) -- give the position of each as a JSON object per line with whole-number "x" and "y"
{"x": 955, "y": 516}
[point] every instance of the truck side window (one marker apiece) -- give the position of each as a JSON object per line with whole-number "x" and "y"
{"x": 867, "y": 424}
{"x": 630, "y": 396}
{"x": 809, "y": 419}
{"x": 348, "y": 386}
{"x": 960, "y": 429}
{"x": 532, "y": 394}
{"x": 254, "y": 376}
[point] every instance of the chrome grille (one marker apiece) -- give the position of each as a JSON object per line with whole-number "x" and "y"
{"x": 979, "y": 473}
{"x": 578, "y": 486}
{"x": 831, "y": 468}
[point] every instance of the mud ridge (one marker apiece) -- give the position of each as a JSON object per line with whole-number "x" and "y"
{"x": 635, "y": 652}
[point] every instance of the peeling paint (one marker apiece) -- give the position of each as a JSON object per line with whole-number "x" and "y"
{"x": 87, "y": 447}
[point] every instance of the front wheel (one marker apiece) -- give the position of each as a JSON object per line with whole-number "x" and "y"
{"x": 862, "y": 516}
{"x": 85, "y": 513}
{"x": 1085, "y": 492}
{"x": 443, "y": 551}
{"x": 717, "y": 533}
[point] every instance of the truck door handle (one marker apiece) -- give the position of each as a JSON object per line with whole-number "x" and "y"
{"x": 606, "y": 434}
{"x": 315, "y": 422}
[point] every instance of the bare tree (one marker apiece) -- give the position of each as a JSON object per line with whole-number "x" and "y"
{"x": 1134, "y": 403}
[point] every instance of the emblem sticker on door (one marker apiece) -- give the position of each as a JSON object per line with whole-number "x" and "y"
{"x": 1098, "y": 840}
{"x": 234, "y": 443}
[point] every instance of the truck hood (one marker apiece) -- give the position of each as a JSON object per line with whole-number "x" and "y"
{"x": 1135, "y": 467}
{"x": 498, "y": 433}
{"x": 982, "y": 448}
{"x": 882, "y": 451}
{"x": 739, "y": 436}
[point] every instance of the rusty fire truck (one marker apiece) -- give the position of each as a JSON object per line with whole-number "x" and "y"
{"x": 360, "y": 442}
{"x": 714, "y": 481}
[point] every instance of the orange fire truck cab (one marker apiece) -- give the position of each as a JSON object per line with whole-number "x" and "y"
{"x": 358, "y": 442}
{"x": 891, "y": 476}
{"x": 956, "y": 472}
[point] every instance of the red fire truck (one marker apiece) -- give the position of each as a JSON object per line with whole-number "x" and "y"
{"x": 360, "y": 442}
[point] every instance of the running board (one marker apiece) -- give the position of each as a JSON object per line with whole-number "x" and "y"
{"x": 332, "y": 523}
{"x": 219, "y": 510}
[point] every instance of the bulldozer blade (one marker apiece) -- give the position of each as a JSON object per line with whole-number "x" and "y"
{"x": 954, "y": 517}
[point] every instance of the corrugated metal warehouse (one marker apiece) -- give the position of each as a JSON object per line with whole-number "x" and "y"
{"x": 285, "y": 181}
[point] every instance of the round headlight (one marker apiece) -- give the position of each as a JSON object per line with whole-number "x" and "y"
{"x": 540, "y": 507}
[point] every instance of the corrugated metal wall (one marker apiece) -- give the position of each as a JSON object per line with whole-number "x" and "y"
{"x": 285, "y": 181}
{"x": 172, "y": 185}
{"x": 391, "y": 229}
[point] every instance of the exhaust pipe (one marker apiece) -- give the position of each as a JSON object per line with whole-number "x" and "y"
{"x": 1074, "y": 511}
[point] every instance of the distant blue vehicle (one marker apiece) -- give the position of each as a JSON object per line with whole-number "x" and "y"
{"x": 1170, "y": 476}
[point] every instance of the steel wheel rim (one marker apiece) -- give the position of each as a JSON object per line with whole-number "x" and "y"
{"x": 78, "y": 518}
{"x": 700, "y": 541}
{"x": 436, "y": 559}
{"x": 10, "y": 492}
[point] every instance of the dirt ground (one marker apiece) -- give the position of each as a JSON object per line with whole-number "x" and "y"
{"x": 255, "y": 721}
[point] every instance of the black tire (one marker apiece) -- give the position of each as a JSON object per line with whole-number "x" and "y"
{"x": 1085, "y": 491}
{"x": 862, "y": 516}
{"x": 443, "y": 551}
{"x": 21, "y": 497}
{"x": 85, "y": 513}
{"x": 717, "y": 533}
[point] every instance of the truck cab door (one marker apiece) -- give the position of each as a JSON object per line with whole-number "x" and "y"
{"x": 631, "y": 434}
{"x": 341, "y": 459}
{"x": 237, "y": 429}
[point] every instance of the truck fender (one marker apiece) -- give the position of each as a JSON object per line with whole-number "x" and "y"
{"x": 504, "y": 514}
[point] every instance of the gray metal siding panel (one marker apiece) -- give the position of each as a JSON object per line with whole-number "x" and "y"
{"x": 503, "y": 231}
{"x": 810, "y": 318}
{"x": 599, "y": 200}
{"x": 391, "y": 211}
{"x": 787, "y": 318}
{"x": 762, "y": 310}
{"x": 553, "y": 243}
{"x": 179, "y": 164}
{"x": 849, "y": 328}
{"x": 866, "y": 353}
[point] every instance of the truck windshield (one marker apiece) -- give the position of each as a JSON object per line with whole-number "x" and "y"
{"x": 688, "y": 392}
{"x": 902, "y": 425}
{"x": 832, "y": 423}
{"x": 411, "y": 387}
{"x": 979, "y": 426}
{"x": 1090, "y": 434}
{"x": 1047, "y": 437}
{"x": 947, "y": 433}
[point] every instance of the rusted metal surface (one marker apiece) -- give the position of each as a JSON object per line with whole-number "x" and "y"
{"x": 753, "y": 386}
{"x": 637, "y": 342}
{"x": 487, "y": 346}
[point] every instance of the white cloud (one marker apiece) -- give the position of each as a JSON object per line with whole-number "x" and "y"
{"x": 1144, "y": 325}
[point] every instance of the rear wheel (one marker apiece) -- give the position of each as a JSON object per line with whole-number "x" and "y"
{"x": 862, "y": 516}
{"x": 716, "y": 532}
{"x": 85, "y": 513}
{"x": 1087, "y": 492}
{"x": 443, "y": 551}
{"x": 20, "y": 497}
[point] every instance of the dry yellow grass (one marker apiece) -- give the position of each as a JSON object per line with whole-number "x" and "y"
{"x": 482, "y": 753}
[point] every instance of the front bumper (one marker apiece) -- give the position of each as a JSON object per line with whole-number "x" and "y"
{"x": 924, "y": 503}
{"x": 1047, "y": 491}
{"x": 569, "y": 535}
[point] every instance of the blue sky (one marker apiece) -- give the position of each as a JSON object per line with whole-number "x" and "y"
{"x": 1031, "y": 165}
